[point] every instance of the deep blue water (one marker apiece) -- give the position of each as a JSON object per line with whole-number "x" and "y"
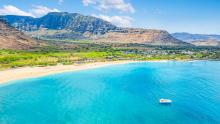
{"x": 117, "y": 94}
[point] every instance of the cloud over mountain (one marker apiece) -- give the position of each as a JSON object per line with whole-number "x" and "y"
{"x": 105, "y": 5}
{"x": 12, "y": 10}
{"x": 35, "y": 11}
{"x": 121, "y": 21}
{"x": 38, "y": 10}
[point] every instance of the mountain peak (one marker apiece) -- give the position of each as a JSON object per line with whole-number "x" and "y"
{"x": 63, "y": 20}
{"x": 96, "y": 29}
{"x": 61, "y": 14}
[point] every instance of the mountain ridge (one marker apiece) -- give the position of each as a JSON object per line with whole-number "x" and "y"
{"x": 77, "y": 26}
{"x": 11, "y": 38}
{"x": 135, "y": 35}
{"x": 71, "y": 21}
{"x": 188, "y": 37}
{"x": 211, "y": 43}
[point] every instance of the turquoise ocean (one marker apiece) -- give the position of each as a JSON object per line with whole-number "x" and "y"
{"x": 117, "y": 94}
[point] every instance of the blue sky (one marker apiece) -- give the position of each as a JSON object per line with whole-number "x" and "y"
{"x": 193, "y": 16}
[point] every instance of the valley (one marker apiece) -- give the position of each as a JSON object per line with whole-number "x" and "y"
{"x": 71, "y": 38}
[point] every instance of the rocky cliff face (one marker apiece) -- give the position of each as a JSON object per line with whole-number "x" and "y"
{"x": 11, "y": 38}
{"x": 62, "y": 20}
{"x": 143, "y": 36}
{"x": 76, "y": 26}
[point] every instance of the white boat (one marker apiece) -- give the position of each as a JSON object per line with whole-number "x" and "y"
{"x": 165, "y": 101}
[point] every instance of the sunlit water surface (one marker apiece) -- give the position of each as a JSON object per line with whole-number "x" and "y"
{"x": 117, "y": 94}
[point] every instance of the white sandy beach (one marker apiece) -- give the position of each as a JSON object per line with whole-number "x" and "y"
{"x": 32, "y": 72}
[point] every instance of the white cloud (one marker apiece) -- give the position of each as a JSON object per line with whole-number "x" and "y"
{"x": 120, "y": 5}
{"x": 121, "y": 21}
{"x": 36, "y": 11}
{"x": 87, "y": 2}
{"x": 12, "y": 10}
{"x": 60, "y": 2}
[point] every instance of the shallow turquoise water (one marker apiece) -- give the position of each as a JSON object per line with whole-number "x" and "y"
{"x": 119, "y": 94}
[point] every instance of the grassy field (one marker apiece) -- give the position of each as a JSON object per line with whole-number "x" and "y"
{"x": 84, "y": 52}
{"x": 12, "y": 59}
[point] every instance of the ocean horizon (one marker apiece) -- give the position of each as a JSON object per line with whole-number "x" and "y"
{"x": 117, "y": 94}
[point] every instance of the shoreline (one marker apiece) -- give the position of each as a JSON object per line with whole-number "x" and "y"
{"x": 6, "y": 76}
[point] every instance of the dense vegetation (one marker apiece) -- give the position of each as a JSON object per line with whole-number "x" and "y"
{"x": 69, "y": 53}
